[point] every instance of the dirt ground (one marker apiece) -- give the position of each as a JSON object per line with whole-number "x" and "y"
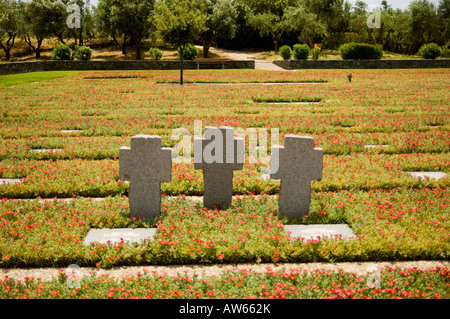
{"x": 102, "y": 50}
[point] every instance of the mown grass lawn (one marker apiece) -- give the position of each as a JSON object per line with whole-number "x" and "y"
{"x": 15, "y": 79}
{"x": 395, "y": 216}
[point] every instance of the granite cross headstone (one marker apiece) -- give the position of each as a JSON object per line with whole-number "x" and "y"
{"x": 296, "y": 163}
{"x": 218, "y": 155}
{"x": 145, "y": 165}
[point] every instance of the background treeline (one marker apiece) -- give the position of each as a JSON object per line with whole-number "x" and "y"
{"x": 232, "y": 24}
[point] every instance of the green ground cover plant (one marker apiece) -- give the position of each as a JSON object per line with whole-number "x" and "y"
{"x": 44, "y": 219}
{"x": 285, "y": 284}
{"x": 400, "y": 224}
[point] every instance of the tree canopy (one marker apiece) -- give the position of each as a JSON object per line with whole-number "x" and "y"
{"x": 231, "y": 23}
{"x": 180, "y": 22}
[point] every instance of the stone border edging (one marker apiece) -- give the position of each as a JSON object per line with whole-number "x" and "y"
{"x": 39, "y": 66}
{"x": 358, "y": 268}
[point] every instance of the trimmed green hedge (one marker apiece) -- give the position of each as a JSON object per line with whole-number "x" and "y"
{"x": 62, "y": 52}
{"x": 301, "y": 51}
{"x": 82, "y": 53}
{"x": 430, "y": 51}
{"x": 285, "y": 52}
{"x": 360, "y": 51}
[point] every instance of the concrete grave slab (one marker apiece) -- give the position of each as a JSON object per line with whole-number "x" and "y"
{"x": 317, "y": 231}
{"x": 375, "y": 146}
{"x": 71, "y": 131}
{"x": 291, "y": 103}
{"x": 44, "y": 150}
{"x": 116, "y": 235}
{"x": 430, "y": 175}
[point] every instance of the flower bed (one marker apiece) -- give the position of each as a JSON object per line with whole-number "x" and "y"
{"x": 290, "y": 284}
{"x": 401, "y": 224}
{"x": 395, "y": 216}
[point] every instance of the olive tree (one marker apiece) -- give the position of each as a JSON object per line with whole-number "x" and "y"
{"x": 9, "y": 25}
{"x": 221, "y": 20}
{"x": 41, "y": 18}
{"x": 179, "y": 23}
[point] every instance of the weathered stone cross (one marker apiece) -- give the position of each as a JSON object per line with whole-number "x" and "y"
{"x": 145, "y": 165}
{"x": 218, "y": 155}
{"x": 296, "y": 164}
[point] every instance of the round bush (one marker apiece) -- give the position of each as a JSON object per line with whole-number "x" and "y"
{"x": 301, "y": 51}
{"x": 285, "y": 52}
{"x": 155, "y": 53}
{"x": 430, "y": 51}
{"x": 315, "y": 53}
{"x": 360, "y": 51}
{"x": 62, "y": 52}
{"x": 445, "y": 52}
{"x": 82, "y": 53}
{"x": 190, "y": 51}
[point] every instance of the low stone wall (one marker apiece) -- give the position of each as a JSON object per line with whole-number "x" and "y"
{"x": 24, "y": 67}
{"x": 363, "y": 64}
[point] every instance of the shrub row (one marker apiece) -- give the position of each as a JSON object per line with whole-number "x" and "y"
{"x": 362, "y": 51}
{"x": 300, "y": 52}
{"x": 63, "y": 52}
{"x": 83, "y": 53}
{"x": 348, "y": 51}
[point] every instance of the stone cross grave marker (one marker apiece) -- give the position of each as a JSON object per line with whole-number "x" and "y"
{"x": 218, "y": 154}
{"x": 296, "y": 163}
{"x": 145, "y": 164}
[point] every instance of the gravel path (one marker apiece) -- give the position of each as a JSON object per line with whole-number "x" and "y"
{"x": 359, "y": 268}
{"x": 260, "y": 64}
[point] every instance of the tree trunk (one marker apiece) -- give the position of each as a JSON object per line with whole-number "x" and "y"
{"x": 60, "y": 38}
{"x": 81, "y": 37}
{"x": 181, "y": 64}
{"x": 206, "y": 46}
{"x": 275, "y": 44}
{"x": 38, "y": 47}
{"x": 8, "y": 46}
{"x": 138, "y": 50}
{"x": 123, "y": 45}
{"x": 7, "y": 51}
{"x": 370, "y": 34}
